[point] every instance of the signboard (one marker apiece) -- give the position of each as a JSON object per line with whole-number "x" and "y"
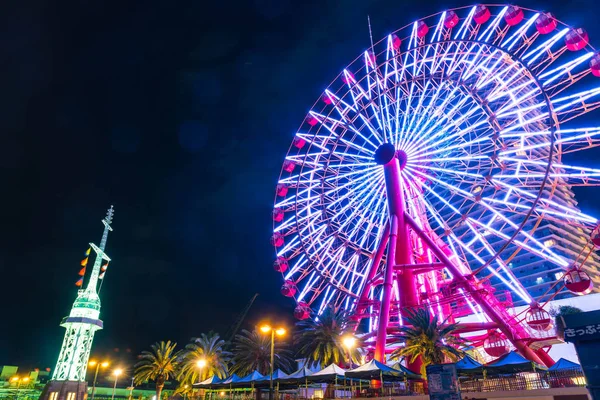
{"x": 442, "y": 380}
{"x": 581, "y": 326}
{"x": 586, "y": 332}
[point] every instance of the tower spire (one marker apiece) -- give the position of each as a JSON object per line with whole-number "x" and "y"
{"x": 100, "y": 254}
{"x": 68, "y": 378}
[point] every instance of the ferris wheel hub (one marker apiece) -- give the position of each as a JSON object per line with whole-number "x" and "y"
{"x": 387, "y": 152}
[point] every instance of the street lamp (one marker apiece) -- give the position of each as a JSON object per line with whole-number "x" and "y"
{"x": 18, "y": 381}
{"x": 349, "y": 343}
{"x": 96, "y": 364}
{"x": 280, "y": 332}
{"x": 116, "y": 373}
{"x": 201, "y": 363}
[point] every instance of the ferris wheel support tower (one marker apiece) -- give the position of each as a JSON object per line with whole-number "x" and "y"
{"x": 68, "y": 378}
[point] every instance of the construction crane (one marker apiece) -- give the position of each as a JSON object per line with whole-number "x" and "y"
{"x": 239, "y": 320}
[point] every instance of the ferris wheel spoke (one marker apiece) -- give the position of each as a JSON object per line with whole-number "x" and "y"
{"x": 546, "y": 255}
{"x": 509, "y": 43}
{"x": 365, "y": 217}
{"x": 547, "y": 203}
{"x": 571, "y": 106}
{"x": 538, "y": 247}
{"x": 343, "y": 109}
{"x": 542, "y": 50}
{"x": 512, "y": 282}
{"x": 465, "y": 27}
{"x": 563, "y": 75}
{"x": 362, "y": 192}
{"x": 569, "y": 139}
{"x": 574, "y": 175}
{"x": 428, "y": 140}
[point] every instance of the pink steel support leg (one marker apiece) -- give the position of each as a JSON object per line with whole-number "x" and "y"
{"x": 399, "y": 247}
{"x": 364, "y": 294}
{"x": 492, "y": 312}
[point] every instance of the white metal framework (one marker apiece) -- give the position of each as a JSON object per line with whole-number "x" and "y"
{"x": 83, "y": 320}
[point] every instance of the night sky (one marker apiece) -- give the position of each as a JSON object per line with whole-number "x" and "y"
{"x": 180, "y": 115}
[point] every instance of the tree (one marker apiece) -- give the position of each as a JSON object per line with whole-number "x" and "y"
{"x": 210, "y": 348}
{"x": 252, "y": 352}
{"x": 424, "y": 335}
{"x": 557, "y": 313}
{"x": 158, "y": 365}
{"x": 320, "y": 341}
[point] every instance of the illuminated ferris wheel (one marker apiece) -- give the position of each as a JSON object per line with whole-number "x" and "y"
{"x": 437, "y": 171}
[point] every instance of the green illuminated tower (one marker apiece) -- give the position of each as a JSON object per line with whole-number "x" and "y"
{"x": 68, "y": 378}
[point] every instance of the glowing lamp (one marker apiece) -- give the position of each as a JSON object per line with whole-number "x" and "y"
{"x": 349, "y": 342}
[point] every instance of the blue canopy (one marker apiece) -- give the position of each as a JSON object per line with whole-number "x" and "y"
{"x": 208, "y": 382}
{"x": 467, "y": 364}
{"x": 232, "y": 379}
{"x": 277, "y": 375}
{"x": 564, "y": 365}
{"x": 398, "y": 366}
{"x": 301, "y": 374}
{"x": 512, "y": 362}
{"x": 253, "y": 377}
{"x": 328, "y": 374}
{"x": 376, "y": 370}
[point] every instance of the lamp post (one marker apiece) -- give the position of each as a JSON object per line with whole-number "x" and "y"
{"x": 116, "y": 373}
{"x": 273, "y": 331}
{"x": 349, "y": 343}
{"x": 97, "y": 365}
{"x": 201, "y": 363}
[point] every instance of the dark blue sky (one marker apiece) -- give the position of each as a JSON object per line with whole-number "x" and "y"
{"x": 179, "y": 114}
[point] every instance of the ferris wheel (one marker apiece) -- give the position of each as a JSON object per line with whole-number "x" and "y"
{"x": 437, "y": 171}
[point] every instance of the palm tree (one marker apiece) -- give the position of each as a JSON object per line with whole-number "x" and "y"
{"x": 157, "y": 365}
{"x": 210, "y": 348}
{"x": 321, "y": 341}
{"x": 424, "y": 335}
{"x": 252, "y": 352}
